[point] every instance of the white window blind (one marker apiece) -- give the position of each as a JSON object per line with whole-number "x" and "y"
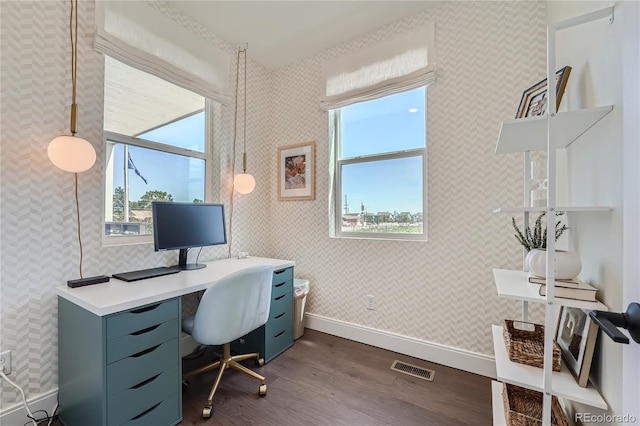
{"x": 402, "y": 63}
{"x": 140, "y": 36}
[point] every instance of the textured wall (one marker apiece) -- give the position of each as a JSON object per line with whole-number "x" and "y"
{"x": 39, "y": 248}
{"x": 440, "y": 291}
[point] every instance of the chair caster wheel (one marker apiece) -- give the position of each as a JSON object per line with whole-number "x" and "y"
{"x": 206, "y": 411}
{"x": 185, "y": 385}
{"x": 259, "y": 362}
{"x": 263, "y": 390}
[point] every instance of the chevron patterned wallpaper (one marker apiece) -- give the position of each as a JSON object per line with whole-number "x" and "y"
{"x": 439, "y": 291}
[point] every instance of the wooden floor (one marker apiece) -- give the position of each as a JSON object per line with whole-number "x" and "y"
{"x": 327, "y": 380}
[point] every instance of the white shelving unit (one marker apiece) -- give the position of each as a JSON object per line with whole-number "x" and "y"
{"x": 497, "y": 405}
{"x": 526, "y": 376}
{"x": 544, "y": 133}
{"x": 530, "y": 134}
{"x": 515, "y": 285}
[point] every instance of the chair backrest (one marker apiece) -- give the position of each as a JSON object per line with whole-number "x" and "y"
{"x": 234, "y": 306}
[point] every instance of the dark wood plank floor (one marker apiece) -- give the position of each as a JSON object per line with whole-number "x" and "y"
{"x": 326, "y": 380}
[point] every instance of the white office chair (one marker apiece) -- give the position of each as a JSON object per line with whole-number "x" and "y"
{"x": 229, "y": 309}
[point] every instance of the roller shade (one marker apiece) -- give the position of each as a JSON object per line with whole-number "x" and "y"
{"x": 402, "y": 63}
{"x": 140, "y": 36}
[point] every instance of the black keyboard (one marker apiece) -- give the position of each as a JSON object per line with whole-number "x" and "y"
{"x": 146, "y": 273}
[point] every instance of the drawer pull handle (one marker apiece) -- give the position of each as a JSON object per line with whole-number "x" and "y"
{"x": 279, "y": 285}
{"x": 280, "y": 271}
{"x": 141, "y": 384}
{"x": 280, "y": 297}
{"x": 279, "y": 334}
{"x": 145, "y": 309}
{"x": 144, "y": 413}
{"x": 146, "y": 351}
{"x": 146, "y": 330}
{"x": 278, "y": 316}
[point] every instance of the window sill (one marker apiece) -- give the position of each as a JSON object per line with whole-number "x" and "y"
{"x": 126, "y": 240}
{"x": 416, "y": 239}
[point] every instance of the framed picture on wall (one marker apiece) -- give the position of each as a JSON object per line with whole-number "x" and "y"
{"x": 296, "y": 172}
{"x": 535, "y": 99}
{"x": 576, "y": 336}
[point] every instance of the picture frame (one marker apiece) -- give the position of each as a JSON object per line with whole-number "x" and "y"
{"x": 534, "y": 99}
{"x": 296, "y": 172}
{"x": 576, "y": 335}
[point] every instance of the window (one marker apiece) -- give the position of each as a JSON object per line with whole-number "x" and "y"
{"x": 380, "y": 167}
{"x": 155, "y": 149}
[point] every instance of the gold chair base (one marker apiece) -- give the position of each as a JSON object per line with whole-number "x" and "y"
{"x": 225, "y": 362}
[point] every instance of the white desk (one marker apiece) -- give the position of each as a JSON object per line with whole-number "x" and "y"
{"x": 119, "y": 344}
{"x": 117, "y": 296}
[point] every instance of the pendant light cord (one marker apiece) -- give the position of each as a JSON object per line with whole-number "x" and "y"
{"x": 73, "y": 34}
{"x": 235, "y": 134}
{"x": 78, "y": 220}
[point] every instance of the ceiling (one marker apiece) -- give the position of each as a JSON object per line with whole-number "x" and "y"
{"x": 277, "y": 32}
{"x": 282, "y": 32}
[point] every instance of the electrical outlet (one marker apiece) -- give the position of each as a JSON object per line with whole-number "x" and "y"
{"x": 5, "y": 362}
{"x": 371, "y": 302}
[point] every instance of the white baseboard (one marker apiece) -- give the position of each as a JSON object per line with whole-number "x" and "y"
{"x": 434, "y": 352}
{"x": 17, "y": 414}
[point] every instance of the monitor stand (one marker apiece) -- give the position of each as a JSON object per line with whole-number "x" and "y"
{"x": 182, "y": 262}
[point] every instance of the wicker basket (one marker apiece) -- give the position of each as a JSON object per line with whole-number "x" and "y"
{"x": 523, "y": 407}
{"x": 527, "y": 347}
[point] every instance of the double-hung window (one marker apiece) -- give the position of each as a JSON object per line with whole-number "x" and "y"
{"x": 376, "y": 99}
{"x": 380, "y": 167}
{"x": 155, "y": 146}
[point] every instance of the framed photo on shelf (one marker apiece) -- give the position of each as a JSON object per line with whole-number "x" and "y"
{"x": 576, "y": 336}
{"x": 535, "y": 99}
{"x": 296, "y": 172}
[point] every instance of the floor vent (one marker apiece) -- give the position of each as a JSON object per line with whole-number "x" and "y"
{"x": 412, "y": 370}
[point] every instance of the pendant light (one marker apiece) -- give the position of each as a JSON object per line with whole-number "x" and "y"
{"x": 243, "y": 182}
{"x": 72, "y": 153}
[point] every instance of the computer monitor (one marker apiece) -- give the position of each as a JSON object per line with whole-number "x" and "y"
{"x": 181, "y": 226}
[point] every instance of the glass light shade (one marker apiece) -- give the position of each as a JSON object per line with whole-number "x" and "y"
{"x": 244, "y": 183}
{"x": 71, "y": 154}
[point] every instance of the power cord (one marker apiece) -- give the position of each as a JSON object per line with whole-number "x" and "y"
{"x": 34, "y": 421}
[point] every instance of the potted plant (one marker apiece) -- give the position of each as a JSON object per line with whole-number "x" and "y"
{"x": 567, "y": 264}
{"x": 537, "y": 239}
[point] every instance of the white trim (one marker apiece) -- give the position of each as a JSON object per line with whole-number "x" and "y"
{"x": 17, "y": 415}
{"x": 461, "y": 359}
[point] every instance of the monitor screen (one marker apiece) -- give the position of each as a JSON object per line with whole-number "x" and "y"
{"x": 181, "y": 226}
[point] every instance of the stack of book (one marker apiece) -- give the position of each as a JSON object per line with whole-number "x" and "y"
{"x": 567, "y": 289}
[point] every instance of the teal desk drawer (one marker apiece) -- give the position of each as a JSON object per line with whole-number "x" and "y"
{"x": 130, "y": 403}
{"x": 281, "y": 305}
{"x": 276, "y": 344}
{"x": 282, "y": 275}
{"x": 275, "y": 326}
{"x": 281, "y": 288}
{"x": 165, "y": 413}
{"x": 131, "y": 371}
{"x": 129, "y": 344}
{"x": 139, "y": 319}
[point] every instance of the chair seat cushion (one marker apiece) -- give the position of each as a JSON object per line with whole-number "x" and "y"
{"x": 187, "y": 324}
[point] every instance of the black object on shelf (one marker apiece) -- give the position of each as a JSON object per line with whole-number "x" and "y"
{"x": 610, "y": 321}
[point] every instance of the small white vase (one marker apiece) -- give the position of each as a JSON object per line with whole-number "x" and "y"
{"x": 567, "y": 264}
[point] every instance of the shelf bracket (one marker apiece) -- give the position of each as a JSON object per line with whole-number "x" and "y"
{"x": 610, "y": 321}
